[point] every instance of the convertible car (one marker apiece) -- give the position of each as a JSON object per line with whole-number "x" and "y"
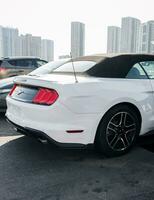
{"x": 105, "y": 100}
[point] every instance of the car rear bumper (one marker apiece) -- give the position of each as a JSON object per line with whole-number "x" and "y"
{"x": 53, "y": 121}
{"x": 41, "y": 135}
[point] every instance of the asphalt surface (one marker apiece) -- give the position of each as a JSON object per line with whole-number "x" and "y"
{"x": 30, "y": 170}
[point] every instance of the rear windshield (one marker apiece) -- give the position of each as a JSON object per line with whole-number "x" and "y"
{"x": 79, "y": 66}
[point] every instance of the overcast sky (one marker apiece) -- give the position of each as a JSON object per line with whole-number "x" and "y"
{"x": 51, "y": 18}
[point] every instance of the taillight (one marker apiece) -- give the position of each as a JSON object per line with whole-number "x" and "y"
{"x": 45, "y": 96}
{"x": 2, "y": 69}
{"x": 12, "y": 90}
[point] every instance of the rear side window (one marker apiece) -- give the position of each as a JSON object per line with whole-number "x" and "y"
{"x": 149, "y": 68}
{"x": 136, "y": 72}
{"x": 0, "y": 62}
{"x": 28, "y": 63}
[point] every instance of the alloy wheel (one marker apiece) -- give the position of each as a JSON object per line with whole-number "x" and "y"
{"x": 121, "y": 131}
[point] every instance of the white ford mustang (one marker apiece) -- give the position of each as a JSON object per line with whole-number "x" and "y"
{"x": 105, "y": 100}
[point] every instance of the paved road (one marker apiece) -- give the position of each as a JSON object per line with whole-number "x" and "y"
{"x": 32, "y": 171}
{"x": 5, "y": 129}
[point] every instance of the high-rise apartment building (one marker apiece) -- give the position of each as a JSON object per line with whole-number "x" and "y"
{"x": 1, "y": 41}
{"x": 113, "y": 39}
{"x": 47, "y": 50}
{"x": 9, "y": 41}
{"x": 36, "y": 46}
{"x": 30, "y": 45}
{"x": 25, "y": 44}
{"x": 11, "y": 44}
{"x": 77, "y": 39}
{"x": 130, "y": 35}
{"x": 147, "y": 37}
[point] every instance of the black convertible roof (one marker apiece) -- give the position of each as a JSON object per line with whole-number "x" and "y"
{"x": 114, "y": 65}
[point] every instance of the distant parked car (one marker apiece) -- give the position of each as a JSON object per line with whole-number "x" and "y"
{"x": 7, "y": 83}
{"x": 15, "y": 66}
{"x": 5, "y": 87}
{"x": 11, "y": 67}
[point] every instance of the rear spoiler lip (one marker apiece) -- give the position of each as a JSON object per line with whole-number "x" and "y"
{"x": 33, "y": 82}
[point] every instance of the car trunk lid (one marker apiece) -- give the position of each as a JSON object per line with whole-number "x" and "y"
{"x": 28, "y": 87}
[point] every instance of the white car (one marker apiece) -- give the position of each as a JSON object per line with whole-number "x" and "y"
{"x": 105, "y": 100}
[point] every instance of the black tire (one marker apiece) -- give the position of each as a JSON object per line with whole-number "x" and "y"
{"x": 120, "y": 125}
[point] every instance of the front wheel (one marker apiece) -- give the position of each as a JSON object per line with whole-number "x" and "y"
{"x": 117, "y": 131}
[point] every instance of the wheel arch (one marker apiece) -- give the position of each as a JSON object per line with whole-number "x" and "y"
{"x": 130, "y": 105}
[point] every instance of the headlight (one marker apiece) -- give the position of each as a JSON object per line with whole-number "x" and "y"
{"x": 3, "y": 91}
